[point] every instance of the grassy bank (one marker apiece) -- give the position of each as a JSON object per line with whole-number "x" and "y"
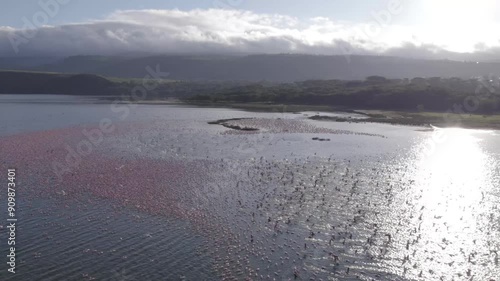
{"x": 438, "y": 119}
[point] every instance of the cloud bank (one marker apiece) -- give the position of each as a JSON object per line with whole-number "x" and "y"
{"x": 221, "y": 31}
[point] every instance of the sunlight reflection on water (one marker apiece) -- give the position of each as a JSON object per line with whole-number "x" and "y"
{"x": 358, "y": 207}
{"x": 452, "y": 231}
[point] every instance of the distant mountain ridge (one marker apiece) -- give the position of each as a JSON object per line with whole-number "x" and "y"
{"x": 19, "y": 82}
{"x": 276, "y": 68}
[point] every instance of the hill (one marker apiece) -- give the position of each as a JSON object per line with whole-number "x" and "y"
{"x": 275, "y": 68}
{"x": 19, "y": 82}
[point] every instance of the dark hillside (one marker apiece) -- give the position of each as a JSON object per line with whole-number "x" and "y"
{"x": 18, "y": 82}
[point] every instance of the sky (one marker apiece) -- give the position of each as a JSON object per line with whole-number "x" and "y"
{"x": 414, "y": 28}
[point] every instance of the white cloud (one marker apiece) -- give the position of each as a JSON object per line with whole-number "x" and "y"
{"x": 221, "y": 31}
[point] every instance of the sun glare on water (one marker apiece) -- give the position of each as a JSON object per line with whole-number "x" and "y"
{"x": 457, "y": 171}
{"x": 455, "y": 185}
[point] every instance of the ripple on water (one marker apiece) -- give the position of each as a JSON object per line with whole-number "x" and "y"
{"x": 179, "y": 196}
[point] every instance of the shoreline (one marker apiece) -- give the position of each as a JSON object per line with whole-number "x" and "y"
{"x": 405, "y": 118}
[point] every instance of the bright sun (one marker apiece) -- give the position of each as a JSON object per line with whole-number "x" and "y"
{"x": 459, "y": 23}
{"x": 460, "y": 12}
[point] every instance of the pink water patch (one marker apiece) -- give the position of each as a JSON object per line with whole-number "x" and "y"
{"x": 156, "y": 186}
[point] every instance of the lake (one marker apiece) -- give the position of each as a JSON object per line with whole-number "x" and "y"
{"x": 154, "y": 192}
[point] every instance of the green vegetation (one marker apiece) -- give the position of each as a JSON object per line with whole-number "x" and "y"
{"x": 419, "y": 101}
{"x": 418, "y": 94}
{"x": 439, "y": 101}
{"x": 22, "y": 82}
